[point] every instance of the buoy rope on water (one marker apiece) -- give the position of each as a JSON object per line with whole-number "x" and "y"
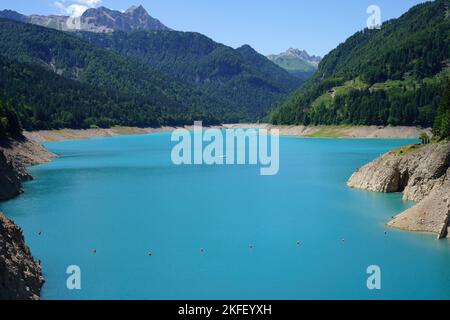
{"x": 251, "y": 246}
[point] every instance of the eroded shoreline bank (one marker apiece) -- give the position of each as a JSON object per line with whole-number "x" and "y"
{"x": 422, "y": 174}
{"x": 20, "y": 274}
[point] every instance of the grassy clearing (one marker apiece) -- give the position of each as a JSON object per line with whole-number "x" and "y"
{"x": 327, "y": 98}
{"x": 409, "y": 149}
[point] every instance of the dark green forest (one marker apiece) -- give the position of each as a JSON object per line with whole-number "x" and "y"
{"x": 45, "y": 100}
{"x": 441, "y": 128}
{"x": 58, "y": 80}
{"x": 243, "y": 79}
{"x": 392, "y": 76}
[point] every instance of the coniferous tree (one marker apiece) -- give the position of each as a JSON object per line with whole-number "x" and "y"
{"x": 9, "y": 121}
{"x": 392, "y": 76}
{"x": 442, "y": 123}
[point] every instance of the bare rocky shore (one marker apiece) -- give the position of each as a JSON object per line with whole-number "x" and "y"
{"x": 357, "y": 132}
{"x": 347, "y": 132}
{"x": 20, "y": 275}
{"x": 15, "y": 157}
{"x": 422, "y": 173}
{"x": 78, "y": 134}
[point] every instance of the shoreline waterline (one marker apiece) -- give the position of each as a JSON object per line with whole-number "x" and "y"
{"x": 342, "y": 132}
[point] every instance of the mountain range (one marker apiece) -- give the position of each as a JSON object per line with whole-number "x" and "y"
{"x": 297, "y": 62}
{"x": 57, "y": 80}
{"x": 94, "y": 19}
{"x": 241, "y": 78}
{"x": 131, "y": 76}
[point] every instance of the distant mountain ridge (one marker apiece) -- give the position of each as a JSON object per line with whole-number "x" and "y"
{"x": 297, "y": 62}
{"x": 98, "y": 20}
{"x": 304, "y": 55}
{"x": 241, "y": 78}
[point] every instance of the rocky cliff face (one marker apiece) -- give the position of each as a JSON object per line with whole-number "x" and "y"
{"x": 95, "y": 20}
{"x": 9, "y": 180}
{"x": 422, "y": 173}
{"x": 134, "y": 19}
{"x": 20, "y": 276}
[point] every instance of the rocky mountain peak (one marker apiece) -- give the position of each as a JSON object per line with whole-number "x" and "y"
{"x": 136, "y": 9}
{"x": 99, "y": 20}
{"x": 105, "y": 20}
{"x": 304, "y": 55}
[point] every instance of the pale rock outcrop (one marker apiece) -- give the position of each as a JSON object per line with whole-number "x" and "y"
{"x": 422, "y": 173}
{"x": 429, "y": 214}
{"x": 98, "y": 20}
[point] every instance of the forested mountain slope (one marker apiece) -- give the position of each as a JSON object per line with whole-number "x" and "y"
{"x": 241, "y": 78}
{"x": 61, "y": 80}
{"x": 392, "y": 76}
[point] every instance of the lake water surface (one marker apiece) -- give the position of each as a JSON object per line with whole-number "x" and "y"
{"x": 124, "y": 198}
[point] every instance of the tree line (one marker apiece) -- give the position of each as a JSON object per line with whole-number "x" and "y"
{"x": 9, "y": 121}
{"x": 441, "y": 127}
{"x": 411, "y": 49}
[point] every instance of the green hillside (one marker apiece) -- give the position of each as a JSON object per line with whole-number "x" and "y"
{"x": 242, "y": 78}
{"x": 294, "y": 65}
{"x": 441, "y": 128}
{"x": 46, "y": 100}
{"x": 393, "y": 76}
{"x": 61, "y": 79}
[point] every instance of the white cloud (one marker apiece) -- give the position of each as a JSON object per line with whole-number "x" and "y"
{"x": 90, "y": 3}
{"x": 75, "y": 8}
{"x": 60, "y": 6}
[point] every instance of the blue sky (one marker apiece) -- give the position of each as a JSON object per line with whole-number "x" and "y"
{"x": 269, "y": 26}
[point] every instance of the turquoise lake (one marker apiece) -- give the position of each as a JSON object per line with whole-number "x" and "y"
{"x": 124, "y": 198}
